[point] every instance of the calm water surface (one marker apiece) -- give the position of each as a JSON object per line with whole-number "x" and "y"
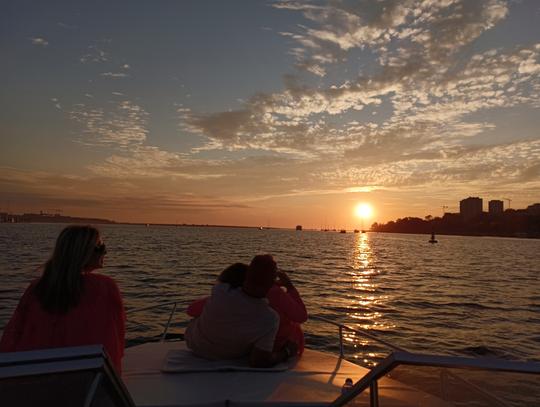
{"x": 463, "y": 296}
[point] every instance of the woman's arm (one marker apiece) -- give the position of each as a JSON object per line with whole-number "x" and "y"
{"x": 288, "y": 304}
{"x": 196, "y": 307}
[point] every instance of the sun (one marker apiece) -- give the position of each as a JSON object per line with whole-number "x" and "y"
{"x": 363, "y": 210}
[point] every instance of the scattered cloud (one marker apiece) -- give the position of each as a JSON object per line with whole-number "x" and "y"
{"x": 429, "y": 91}
{"x": 94, "y": 54}
{"x": 386, "y": 95}
{"x": 104, "y": 195}
{"x": 121, "y": 125}
{"x": 42, "y": 42}
{"x": 67, "y": 26}
{"x": 115, "y": 74}
{"x": 56, "y": 103}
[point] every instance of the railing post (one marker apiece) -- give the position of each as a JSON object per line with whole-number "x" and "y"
{"x": 374, "y": 394}
{"x": 168, "y": 323}
{"x": 341, "y": 354}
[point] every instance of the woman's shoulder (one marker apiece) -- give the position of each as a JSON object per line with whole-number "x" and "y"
{"x": 96, "y": 280}
{"x": 99, "y": 284}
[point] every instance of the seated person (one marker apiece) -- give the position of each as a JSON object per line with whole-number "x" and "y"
{"x": 69, "y": 305}
{"x": 288, "y": 304}
{"x": 238, "y": 322}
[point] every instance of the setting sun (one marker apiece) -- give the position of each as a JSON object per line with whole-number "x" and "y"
{"x": 363, "y": 210}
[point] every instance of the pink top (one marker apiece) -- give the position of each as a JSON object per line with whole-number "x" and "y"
{"x": 99, "y": 318}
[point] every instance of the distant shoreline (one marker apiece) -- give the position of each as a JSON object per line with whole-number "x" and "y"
{"x": 30, "y": 218}
{"x": 457, "y": 234}
{"x": 112, "y": 223}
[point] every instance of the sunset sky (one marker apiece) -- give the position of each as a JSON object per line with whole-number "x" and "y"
{"x": 268, "y": 112}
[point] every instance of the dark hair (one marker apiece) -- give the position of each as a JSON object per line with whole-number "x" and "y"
{"x": 261, "y": 270}
{"x": 60, "y": 285}
{"x": 234, "y": 275}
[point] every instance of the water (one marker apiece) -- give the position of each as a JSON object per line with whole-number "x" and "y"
{"x": 463, "y": 296}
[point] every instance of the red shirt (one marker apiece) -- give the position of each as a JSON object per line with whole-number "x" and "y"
{"x": 99, "y": 318}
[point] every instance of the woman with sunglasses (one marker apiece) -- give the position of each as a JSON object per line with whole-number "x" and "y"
{"x": 69, "y": 305}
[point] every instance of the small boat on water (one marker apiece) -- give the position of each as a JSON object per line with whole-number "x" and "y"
{"x": 432, "y": 240}
{"x": 165, "y": 374}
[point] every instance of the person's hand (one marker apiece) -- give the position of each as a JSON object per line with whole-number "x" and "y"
{"x": 284, "y": 280}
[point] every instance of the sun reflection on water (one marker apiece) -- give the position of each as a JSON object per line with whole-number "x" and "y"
{"x": 366, "y": 301}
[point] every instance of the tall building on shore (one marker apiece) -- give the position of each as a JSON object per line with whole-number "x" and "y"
{"x": 496, "y": 207}
{"x": 470, "y": 207}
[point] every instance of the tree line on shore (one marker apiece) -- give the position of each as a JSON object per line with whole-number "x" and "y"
{"x": 511, "y": 223}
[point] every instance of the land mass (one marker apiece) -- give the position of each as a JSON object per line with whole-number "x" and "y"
{"x": 58, "y": 218}
{"x": 510, "y": 223}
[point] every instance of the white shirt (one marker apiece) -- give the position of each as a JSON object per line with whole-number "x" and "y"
{"x": 231, "y": 324}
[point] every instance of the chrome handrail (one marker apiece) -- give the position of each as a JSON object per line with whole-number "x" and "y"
{"x": 163, "y": 304}
{"x": 316, "y": 318}
{"x": 396, "y": 358}
{"x": 405, "y": 358}
{"x": 357, "y": 331}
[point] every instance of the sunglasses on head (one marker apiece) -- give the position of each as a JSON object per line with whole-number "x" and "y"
{"x": 100, "y": 248}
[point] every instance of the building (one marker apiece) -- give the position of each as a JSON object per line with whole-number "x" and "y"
{"x": 496, "y": 207}
{"x": 470, "y": 207}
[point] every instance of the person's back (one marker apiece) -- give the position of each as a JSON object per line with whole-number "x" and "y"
{"x": 221, "y": 331}
{"x": 98, "y": 318}
{"x": 239, "y": 322}
{"x": 69, "y": 305}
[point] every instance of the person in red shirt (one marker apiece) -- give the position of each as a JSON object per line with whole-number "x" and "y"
{"x": 288, "y": 304}
{"x": 69, "y": 305}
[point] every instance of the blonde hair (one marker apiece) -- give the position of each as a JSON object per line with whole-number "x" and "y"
{"x": 60, "y": 285}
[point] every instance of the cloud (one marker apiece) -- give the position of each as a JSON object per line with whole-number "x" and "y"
{"x": 422, "y": 80}
{"x": 395, "y": 29}
{"x": 115, "y": 74}
{"x": 122, "y": 124}
{"x": 509, "y": 165}
{"x": 107, "y": 197}
{"x": 67, "y": 26}
{"x": 411, "y": 118}
{"x": 42, "y": 42}
{"x": 94, "y": 54}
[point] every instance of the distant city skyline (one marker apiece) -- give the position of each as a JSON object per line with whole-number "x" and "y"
{"x": 268, "y": 112}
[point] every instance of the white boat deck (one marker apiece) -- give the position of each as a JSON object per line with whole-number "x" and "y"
{"x": 316, "y": 378}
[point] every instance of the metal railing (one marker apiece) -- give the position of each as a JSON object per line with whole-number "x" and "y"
{"x": 341, "y": 327}
{"x": 160, "y": 305}
{"x": 396, "y": 359}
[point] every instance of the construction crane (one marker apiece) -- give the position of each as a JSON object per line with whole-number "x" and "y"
{"x": 509, "y": 202}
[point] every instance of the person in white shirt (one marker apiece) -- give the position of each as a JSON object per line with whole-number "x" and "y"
{"x": 238, "y": 322}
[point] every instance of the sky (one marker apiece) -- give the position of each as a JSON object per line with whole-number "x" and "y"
{"x": 268, "y": 113}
